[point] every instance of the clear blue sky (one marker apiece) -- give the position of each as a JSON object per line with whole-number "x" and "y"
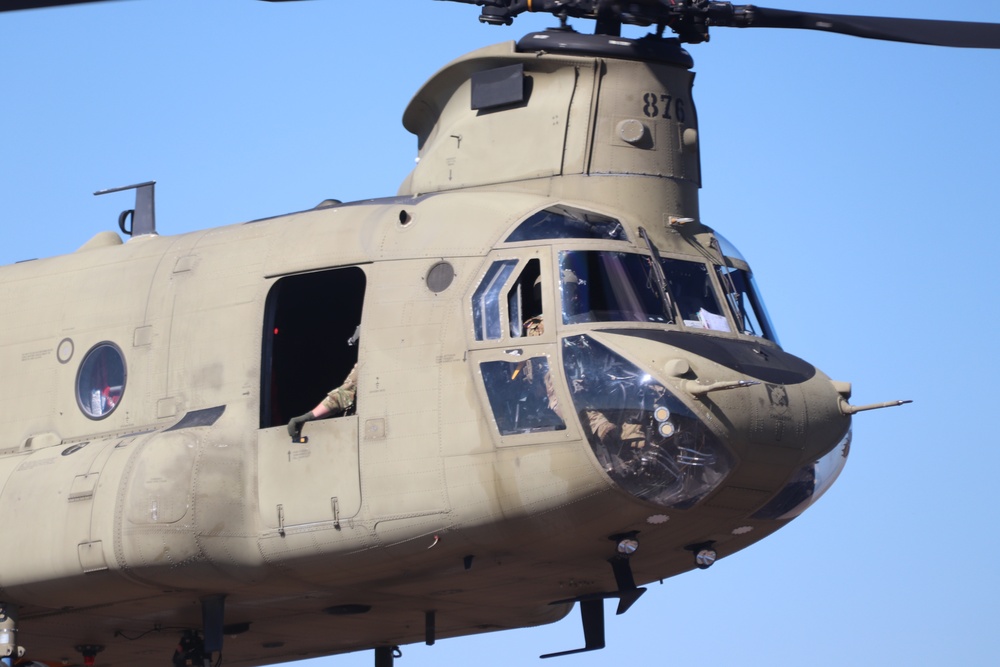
{"x": 859, "y": 178}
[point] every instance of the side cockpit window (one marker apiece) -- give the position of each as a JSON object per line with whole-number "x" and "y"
{"x": 522, "y": 396}
{"x": 487, "y": 319}
{"x": 522, "y": 297}
{"x": 309, "y": 346}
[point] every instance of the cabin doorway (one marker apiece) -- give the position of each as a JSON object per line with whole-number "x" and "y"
{"x": 308, "y": 320}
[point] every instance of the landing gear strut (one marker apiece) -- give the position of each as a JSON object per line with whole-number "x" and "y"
{"x": 195, "y": 650}
{"x": 592, "y": 605}
{"x": 385, "y": 655}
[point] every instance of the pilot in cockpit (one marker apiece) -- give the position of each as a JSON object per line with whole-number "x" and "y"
{"x": 607, "y": 432}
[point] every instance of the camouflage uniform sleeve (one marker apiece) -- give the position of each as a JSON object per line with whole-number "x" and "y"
{"x": 534, "y": 326}
{"x": 342, "y": 398}
{"x": 600, "y": 426}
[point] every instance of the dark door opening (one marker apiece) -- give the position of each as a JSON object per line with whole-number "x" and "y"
{"x": 308, "y": 320}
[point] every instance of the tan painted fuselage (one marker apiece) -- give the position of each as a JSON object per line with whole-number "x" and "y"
{"x": 189, "y": 487}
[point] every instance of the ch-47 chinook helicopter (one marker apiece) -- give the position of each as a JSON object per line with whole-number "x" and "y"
{"x": 549, "y": 338}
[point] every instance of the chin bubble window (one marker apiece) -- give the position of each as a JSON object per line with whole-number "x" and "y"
{"x": 101, "y": 380}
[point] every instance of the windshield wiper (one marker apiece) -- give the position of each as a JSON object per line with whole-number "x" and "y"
{"x": 732, "y": 294}
{"x": 660, "y": 278}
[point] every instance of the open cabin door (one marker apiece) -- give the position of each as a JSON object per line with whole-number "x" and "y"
{"x": 308, "y": 321}
{"x": 309, "y": 483}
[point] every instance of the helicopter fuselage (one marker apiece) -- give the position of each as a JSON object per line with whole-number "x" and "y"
{"x": 555, "y": 356}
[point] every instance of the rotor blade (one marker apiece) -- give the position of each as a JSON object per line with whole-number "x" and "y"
{"x": 12, "y": 5}
{"x": 914, "y": 31}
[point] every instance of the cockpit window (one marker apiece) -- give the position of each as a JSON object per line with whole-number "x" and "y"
{"x": 524, "y": 302}
{"x": 522, "y": 396}
{"x": 745, "y": 302}
{"x": 608, "y": 287}
{"x": 742, "y": 293}
{"x": 599, "y": 286}
{"x": 567, "y": 222}
{"x": 643, "y": 436}
{"x": 694, "y": 295}
{"x": 486, "y": 300}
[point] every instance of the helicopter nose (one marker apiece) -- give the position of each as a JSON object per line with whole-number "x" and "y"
{"x": 794, "y": 438}
{"x": 802, "y": 414}
{"x": 808, "y": 484}
{"x": 822, "y": 464}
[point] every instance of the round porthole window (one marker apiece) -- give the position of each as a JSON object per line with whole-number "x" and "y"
{"x": 100, "y": 383}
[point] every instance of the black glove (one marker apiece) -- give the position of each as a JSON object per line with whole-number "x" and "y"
{"x": 295, "y": 425}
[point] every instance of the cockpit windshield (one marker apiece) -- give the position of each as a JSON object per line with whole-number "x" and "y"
{"x": 743, "y": 294}
{"x": 608, "y": 287}
{"x": 694, "y": 295}
{"x": 603, "y": 286}
{"x": 744, "y": 299}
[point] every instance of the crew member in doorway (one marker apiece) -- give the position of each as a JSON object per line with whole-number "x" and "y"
{"x": 336, "y": 403}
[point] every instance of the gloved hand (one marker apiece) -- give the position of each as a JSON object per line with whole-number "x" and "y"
{"x": 295, "y": 425}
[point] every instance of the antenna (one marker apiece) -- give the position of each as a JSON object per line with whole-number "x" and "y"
{"x": 143, "y": 216}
